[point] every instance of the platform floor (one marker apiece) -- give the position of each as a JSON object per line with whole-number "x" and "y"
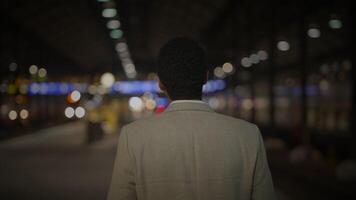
{"x": 56, "y": 163}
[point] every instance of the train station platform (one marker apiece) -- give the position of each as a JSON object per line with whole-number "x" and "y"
{"x": 58, "y": 163}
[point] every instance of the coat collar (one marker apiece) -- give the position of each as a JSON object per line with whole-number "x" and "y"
{"x": 182, "y": 105}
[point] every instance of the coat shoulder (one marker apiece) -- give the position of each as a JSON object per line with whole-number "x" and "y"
{"x": 141, "y": 123}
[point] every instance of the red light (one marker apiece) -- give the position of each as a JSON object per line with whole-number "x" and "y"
{"x": 160, "y": 109}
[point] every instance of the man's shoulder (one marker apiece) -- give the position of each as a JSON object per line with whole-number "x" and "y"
{"x": 236, "y": 121}
{"x": 142, "y": 123}
{"x": 159, "y": 119}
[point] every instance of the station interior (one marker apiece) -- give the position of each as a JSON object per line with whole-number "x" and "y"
{"x": 73, "y": 73}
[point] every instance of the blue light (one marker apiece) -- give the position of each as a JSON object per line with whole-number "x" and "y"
{"x": 121, "y": 87}
{"x": 214, "y": 86}
{"x": 33, "y": 88}
{"x": 63, "y": 88}
{"x": 162, "y": 101}
{"x": 140, "y": 87}
{"x": 50, "y": 88}
{"x": 44, "y": 89}
{"x": 135, "y": 87}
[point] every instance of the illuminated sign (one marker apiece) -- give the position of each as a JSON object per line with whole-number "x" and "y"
{"x": 120, "y": 87}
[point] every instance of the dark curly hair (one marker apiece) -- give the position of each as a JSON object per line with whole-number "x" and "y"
{"x": 182, "y": 68}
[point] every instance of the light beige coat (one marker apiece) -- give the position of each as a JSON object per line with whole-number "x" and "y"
{"x": 190, "y": 152}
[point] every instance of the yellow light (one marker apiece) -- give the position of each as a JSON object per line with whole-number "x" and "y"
{"x": 42, "y": 72}
{"x": 12, "y": 115}
{"x": 107, "y": 79}
{"x": 152, "y": 76}
{"x": 23, "y": 89}
{"x": 219, "y": 72}
{"x": 33, "y": 69}
{"x": 24, "y": 114}
{"x": 75, "y": 96}
{"x": 150, "y": 104}
{"x": 227, "y": 67}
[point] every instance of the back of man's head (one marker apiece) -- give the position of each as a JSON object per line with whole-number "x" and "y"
{"x": 182, "y": 68}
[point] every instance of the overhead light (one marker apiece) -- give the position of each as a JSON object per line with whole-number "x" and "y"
{"x": 246, "y": 62}
{"x": 335, "y": 23}
{"x": 107, "y": 79}
{"x": 79, "y": 112}
{"x": 12, "y": 66}
{"x": 254, "y": 58}
{"x": 262, "y": 55}
{"x": 33, "y": 69}
{"x": 227, "y": 67}
{"x": 42, "y": 72}
{"x": 150, "y": 104}
{"x": 314, "y": 33}
{"x": 219, "y": 72}
{"x": 69, "y": 112}
{"x": 135, "y": 104}
{"x": 125, "y": 61}
{"x": 109, "y": 12}
{"x": 132, "y": 74}
{"x": 116, "y": 34}
{"x": 113, "y": 24}
{"x": 121, "y": 47}
{"x": 129, "y": 68}
{"x": 12, "y": 115}
{"x": 24, "y": 114}
{"x": 75, "y": 96}
{"x": 283, "y": 45}
{"x": 124, "y": 55}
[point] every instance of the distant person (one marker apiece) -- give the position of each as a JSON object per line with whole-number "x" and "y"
{"x": 189, "y": 152}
